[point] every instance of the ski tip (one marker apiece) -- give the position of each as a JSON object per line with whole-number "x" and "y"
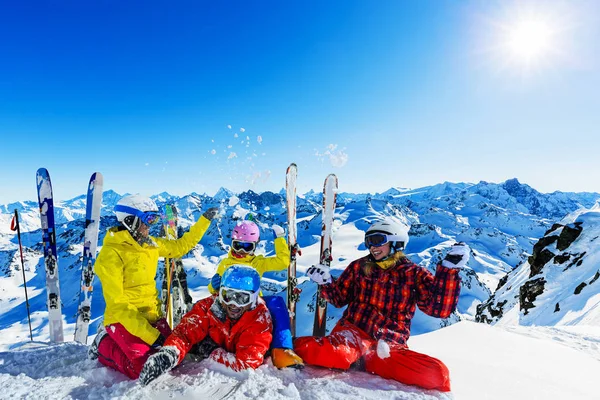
{"x": 42, "y": 172}
{"x": 96, "y": 176}
{"x": 331, "y": 178}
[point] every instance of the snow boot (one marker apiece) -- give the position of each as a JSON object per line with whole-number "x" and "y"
{"x": 286, "y": 358}
{"x": 93, "y": 350}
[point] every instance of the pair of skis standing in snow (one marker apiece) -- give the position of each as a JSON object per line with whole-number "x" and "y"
{"x": 92, "y": 223}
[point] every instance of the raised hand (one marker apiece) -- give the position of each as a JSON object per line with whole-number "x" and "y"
{"x": 457, "y": 256}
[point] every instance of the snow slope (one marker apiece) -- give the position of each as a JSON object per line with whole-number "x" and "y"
{"x": 485, "y": 362}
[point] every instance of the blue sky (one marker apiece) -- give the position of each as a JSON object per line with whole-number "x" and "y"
{"x": 384, "y": 94}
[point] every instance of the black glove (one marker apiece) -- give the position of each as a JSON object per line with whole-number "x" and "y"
{"x": 157, "y": 364}
{"x": 160, "y": 340}
{"x": 202, "y": 350}
{"x": 211, "y": 213}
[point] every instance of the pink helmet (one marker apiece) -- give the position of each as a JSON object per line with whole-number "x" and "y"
{"x": 246, "y": 231}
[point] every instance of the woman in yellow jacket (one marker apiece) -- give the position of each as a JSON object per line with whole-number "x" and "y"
{"x": 244, "y": 238}
{"x": 126, "y": 267}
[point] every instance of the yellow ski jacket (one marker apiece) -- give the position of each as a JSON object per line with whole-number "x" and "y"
{"x": 260, "y": 263}
{"x": 127, "y": 272}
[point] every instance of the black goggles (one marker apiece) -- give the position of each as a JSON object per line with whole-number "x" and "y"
{"x": 246, "y": 247}
{"x": 376, "y": 240}
{"x": 148, "y": 217}
{"x": 239, "y": 298}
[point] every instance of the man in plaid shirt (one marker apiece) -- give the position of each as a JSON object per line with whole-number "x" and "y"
{"x": 382, "y": 291}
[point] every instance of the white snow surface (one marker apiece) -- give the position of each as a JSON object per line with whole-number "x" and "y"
{"x": 485, "y": 362}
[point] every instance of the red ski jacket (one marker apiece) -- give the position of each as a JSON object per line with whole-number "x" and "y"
{"x": 382, "y": 302}
{"x": 243, "y": 343}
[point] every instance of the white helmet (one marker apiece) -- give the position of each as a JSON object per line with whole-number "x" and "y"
{"x": 133, "y": 209}
{"x": 394, "y": 232}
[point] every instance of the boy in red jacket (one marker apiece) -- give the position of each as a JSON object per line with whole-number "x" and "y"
{"x": 382, "y": 291}
{"x": 236, "y": 320}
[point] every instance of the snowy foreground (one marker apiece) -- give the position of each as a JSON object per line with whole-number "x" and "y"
{"x": 486, "y": 363}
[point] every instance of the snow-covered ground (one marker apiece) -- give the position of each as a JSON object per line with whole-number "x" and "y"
{"x": 485, "y": 362}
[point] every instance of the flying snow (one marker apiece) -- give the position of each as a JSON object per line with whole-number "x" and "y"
{"x": 337, "y": 158}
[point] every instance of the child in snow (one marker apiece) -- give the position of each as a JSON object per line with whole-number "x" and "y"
{"x": 381, "y": 291}
{"x": 233, "y": 328}
{"x": 244, "y": 238}
{"x": 126, "y": 267}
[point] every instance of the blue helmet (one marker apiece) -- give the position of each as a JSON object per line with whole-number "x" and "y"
{"x": 241, "y": 277}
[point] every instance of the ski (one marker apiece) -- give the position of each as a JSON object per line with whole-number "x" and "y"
{"x": 293, "y": 291}
{"x": 329, "y": 197}
{"x": 46, "y": 203}
{"x": 177, "y": 300}
{"x": 90, "y": 243}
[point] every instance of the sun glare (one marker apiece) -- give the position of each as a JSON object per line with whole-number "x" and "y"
{"x": 529, "y": 40}
{"x": 527, "y": 37}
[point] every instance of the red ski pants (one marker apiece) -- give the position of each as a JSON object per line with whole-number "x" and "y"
{"x": 125, "y": 352}
{"x": 347, "y": 344}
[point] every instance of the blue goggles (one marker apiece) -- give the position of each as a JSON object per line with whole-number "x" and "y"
{"x": 148, "y": 217}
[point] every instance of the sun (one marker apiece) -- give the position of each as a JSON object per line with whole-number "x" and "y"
{"x": 529, "y": 40}
{"x": 527, "y": 37}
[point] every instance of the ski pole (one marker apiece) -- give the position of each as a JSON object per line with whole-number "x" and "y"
{"x": 16, "y": 227}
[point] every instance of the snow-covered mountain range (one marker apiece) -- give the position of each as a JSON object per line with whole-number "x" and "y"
{"x": 501, "y": 222}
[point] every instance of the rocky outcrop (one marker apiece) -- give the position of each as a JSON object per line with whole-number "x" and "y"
{"x": 553, "y": 256}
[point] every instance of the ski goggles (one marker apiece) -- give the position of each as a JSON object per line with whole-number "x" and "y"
{"x": 246, "y": 247}
{"x": 240, "y": 298}
{"x": 147, "y": 217}
{"x": 376, "y": 240}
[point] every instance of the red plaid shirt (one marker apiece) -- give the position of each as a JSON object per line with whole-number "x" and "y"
{"x": 383, "y": 304}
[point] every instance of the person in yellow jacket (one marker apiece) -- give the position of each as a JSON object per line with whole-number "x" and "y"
{"x": 244, "y": 238}
{"x": 126, "y": 266}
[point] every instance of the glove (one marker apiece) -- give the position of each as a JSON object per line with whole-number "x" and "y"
{"x": 160, "y": 340}
{"x": 319, "y": 274}
{"x": 278, "y": 231}
{"x": 203, "y": 349}
{"x": 215, "y": 282}
{"x": 211, "y": 213}
{"x": 159, "y": 363}
{"x": 458, "y": 256}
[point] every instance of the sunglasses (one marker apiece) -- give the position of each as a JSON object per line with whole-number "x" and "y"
{"x": 240, "y": 298}
{"x": 148, "y": 217}
{"x": 246, "y": 247}
{"x": 376, "y": 240}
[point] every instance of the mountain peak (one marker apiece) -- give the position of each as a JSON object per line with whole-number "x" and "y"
{"x": 223, "y": 193}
